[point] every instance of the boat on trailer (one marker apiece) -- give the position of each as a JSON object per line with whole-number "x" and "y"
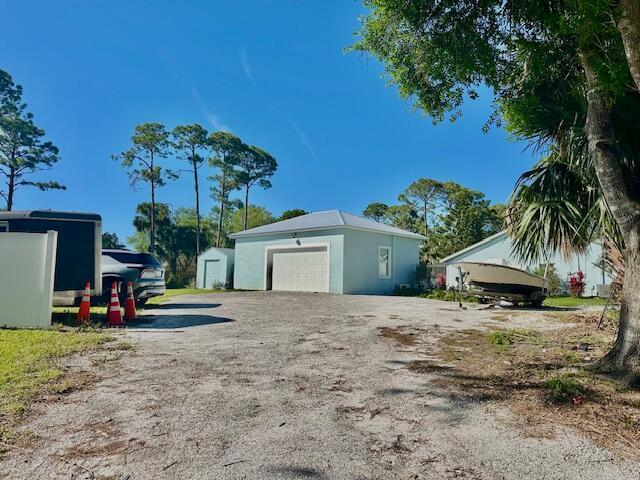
{"x": 502, "y": 282}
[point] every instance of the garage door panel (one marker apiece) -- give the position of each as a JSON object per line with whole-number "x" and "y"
{"x": 300, "y": 271}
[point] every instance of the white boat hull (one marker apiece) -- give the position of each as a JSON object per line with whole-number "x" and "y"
{"x": 501, "y": 279}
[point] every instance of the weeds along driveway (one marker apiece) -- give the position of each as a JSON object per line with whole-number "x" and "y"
{"x": 292, "y": 386}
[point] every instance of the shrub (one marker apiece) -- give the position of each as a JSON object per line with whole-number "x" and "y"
{"x": 450, "y": 295}
{"x": 406, "y": 291}
{"x": 179, "y": 280}
{"x": 553, "y": 283}
{"x": 576, "y": 284}
{"x": 562, "y": 389}
{"x": 421, "y": 278}
{"x": 441, "y": 281}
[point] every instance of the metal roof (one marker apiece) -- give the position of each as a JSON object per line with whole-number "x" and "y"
{"x": 51, "y": 215}
{"x": 324, "y": 220}
{"x": 473, "y": 247}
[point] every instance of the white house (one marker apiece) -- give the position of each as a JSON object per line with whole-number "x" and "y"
{"x": 330, "y": 251}
{"x": 498, "y": 249}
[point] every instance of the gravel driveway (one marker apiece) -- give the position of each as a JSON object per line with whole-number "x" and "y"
{"x": 262, "y": 385}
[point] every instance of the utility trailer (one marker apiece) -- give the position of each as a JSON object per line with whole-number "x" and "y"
{"x": 79, "y": 254}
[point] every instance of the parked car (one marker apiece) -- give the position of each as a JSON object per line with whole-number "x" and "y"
{"x": 142, "y": 269}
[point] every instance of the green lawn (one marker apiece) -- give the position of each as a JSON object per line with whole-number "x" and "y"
{"x": 174, "y": 292}
{"x": 28, "y": 362}
{"x": 568, "y": 301}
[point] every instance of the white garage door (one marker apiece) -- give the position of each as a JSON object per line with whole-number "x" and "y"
{"x": 302, "y": 271}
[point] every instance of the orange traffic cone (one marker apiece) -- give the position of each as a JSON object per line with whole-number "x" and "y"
{"x": 130, "y": 304}
{"x": 84, "y": 314}
{"x": 114, "y": 314}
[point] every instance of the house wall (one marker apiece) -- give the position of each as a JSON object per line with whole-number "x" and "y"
{"x": 500, "y": 247}
{"x": 249, "y": 270}
{"x": 225, "y": 257}
{"x": 361, "y": 261}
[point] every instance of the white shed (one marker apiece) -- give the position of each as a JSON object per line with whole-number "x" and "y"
{"x": 215, "y": 268}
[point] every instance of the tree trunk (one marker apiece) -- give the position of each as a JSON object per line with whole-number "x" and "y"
{"x": 222, "y": 202}
{"x": 625, "y": 209}
{"x": 625, "y": 354}
{"x": 246, "y": 207}
{"x": 629, "y": 27}
{"x": 11, "y": 189}
{"x": 195, "y": 181}
{"x": 152, "y": 230}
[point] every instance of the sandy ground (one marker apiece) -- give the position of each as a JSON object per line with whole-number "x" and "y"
{"x": 290, "y": 386}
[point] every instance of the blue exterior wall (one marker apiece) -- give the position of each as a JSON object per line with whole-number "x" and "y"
{"x": 500, "y": 247}
{"x": 224, "y": 256}
{"x": 361, "y": 261}
{"x": 353, "y": 259}
{"x": 250, "y": 257}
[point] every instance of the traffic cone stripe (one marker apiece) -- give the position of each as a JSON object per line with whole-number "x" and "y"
{"x": 130, "y": 304}
{"x": 84, "y": 312}
{"x": 114, "y": 314}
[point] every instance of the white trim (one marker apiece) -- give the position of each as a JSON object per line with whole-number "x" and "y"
{"x": 473, "y": 247}
{"x": 415, "y": 236}
{"x": 293, "y": 246}
{"x": 389, "y": 264}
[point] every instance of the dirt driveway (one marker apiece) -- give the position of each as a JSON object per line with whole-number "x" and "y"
{"x": 291, "y": 386}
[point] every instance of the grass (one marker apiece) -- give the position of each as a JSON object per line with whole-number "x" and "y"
{"x": 509, "y": 337}
{"x": 174, "y": 292}
{"x": 568, "y": 301}
{"x": 28, "y": 362}
{"x": 562, "y": 388}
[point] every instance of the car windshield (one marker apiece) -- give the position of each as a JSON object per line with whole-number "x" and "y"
{"x": 137, "y": 258}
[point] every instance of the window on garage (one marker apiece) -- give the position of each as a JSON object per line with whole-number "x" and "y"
{"x": 384, "y": 262}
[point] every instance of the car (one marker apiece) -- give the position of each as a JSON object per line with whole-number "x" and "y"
{"x": 142, "y": 269}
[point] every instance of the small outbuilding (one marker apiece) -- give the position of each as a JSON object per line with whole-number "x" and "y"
{"x": 498, "y": 249}
{"x": 330, "y": 251}
{"x": 215, "y": 268}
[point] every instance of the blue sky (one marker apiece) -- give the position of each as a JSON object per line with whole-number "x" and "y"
{"x": 273, "y": 72}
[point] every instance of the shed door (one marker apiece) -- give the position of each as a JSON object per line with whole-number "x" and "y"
{"x": 301, "y": 271}
{"x": 212, "y": 273}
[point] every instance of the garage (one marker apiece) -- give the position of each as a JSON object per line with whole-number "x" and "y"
{"x": 300, "y": 270}
{"x": 330, "y": 251}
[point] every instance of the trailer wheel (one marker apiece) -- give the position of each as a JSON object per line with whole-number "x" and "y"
{"x": 536, "y": 299}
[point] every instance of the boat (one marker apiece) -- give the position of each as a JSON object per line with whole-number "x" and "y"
{"x": 502, "y": 281}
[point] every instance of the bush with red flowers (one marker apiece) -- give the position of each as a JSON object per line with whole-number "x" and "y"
{"x": 576, "y": 284}
{"x": 441, "y": 281}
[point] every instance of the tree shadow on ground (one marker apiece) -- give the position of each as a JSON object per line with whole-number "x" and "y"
{"x": 180, "y": 306}
{"x": 175, "y": 321}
